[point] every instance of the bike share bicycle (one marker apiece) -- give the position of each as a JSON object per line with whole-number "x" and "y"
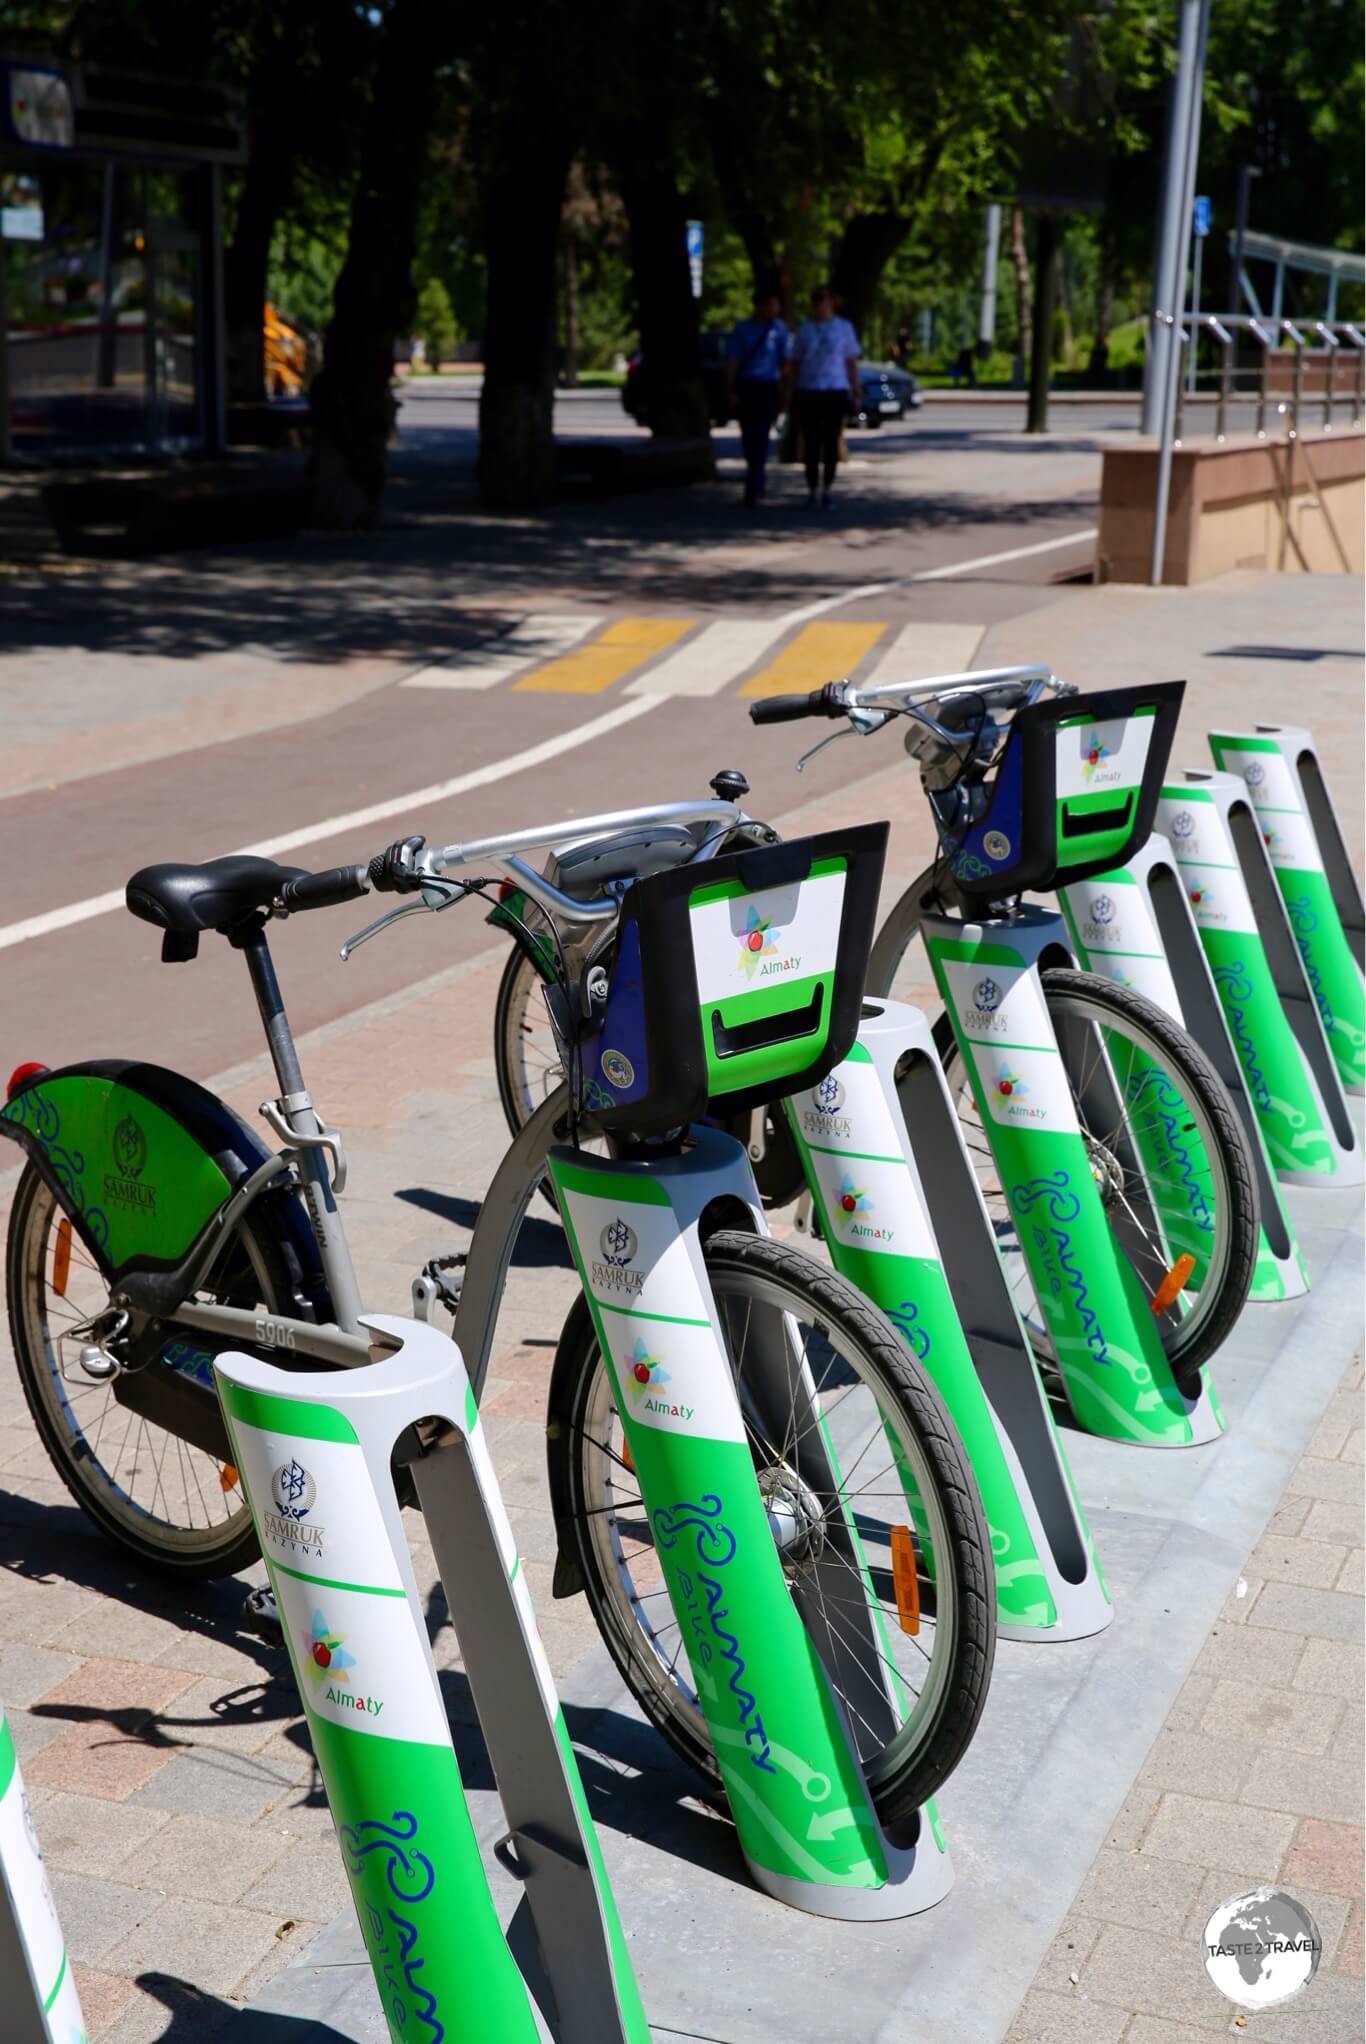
{"x": 1118, "y": 1175}
{"x": 834, "y": 1638}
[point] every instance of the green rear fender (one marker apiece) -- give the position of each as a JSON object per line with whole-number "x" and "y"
{"x": 140, "y": 1158}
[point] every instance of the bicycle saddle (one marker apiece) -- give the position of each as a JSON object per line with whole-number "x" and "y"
{"x": 214, "y": 896}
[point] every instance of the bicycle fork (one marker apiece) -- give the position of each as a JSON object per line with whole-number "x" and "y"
{"x": 802, "y": 1808}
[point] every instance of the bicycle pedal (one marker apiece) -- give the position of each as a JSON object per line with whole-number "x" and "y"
{"x": 447, "y": 1276}
{"x": 261, "y": 1615}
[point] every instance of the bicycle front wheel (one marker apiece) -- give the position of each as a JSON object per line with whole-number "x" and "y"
{"x": 903, "y": 1487}
{"x": 1169, "y": 1156}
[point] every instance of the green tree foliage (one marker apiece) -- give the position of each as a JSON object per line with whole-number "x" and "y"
{"x": 435, "y": 322}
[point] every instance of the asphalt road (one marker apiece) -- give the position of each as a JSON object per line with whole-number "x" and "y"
{"x": 1000, "y": 520}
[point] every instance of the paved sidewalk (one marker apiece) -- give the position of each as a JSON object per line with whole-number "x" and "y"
{"x": 1255, "y": 1777}
{"x": 172, "y": 1783}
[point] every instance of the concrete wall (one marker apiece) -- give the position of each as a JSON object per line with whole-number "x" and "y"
{"x": 1228, "y": 508}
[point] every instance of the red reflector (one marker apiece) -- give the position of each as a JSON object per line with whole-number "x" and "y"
{"x": 20, "y": 1074}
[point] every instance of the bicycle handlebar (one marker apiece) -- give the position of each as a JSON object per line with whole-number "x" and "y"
{"x": 822, "y": 702}
{"x": 327, "y": 889}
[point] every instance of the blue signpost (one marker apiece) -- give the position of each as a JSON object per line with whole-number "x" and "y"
{"x": 1200, "y": 225}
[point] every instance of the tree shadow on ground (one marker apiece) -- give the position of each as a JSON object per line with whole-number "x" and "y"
{"x": 194, "y": 2017}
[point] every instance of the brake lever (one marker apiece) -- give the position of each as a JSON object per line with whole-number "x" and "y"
{"x": 861, "y": 722}
{"x": 434, "y": 895}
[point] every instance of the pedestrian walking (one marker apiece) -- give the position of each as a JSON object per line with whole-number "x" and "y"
{"x": 757, "y": 357}
{"x": 827, "y": 356}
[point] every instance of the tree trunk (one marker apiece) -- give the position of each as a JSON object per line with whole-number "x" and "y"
{"x": 1019, "y": 255}
{"x": 351, "y": 402}
{"x": 522, "y": 203}
{"x": 570, "y": 372}
{"x": 670, "y": 345}
{"x": 1105, "y": 300}
{"x": 867, "y": 245}
{"x": 265, "y": 193}
{"x": 1041, "y": 347}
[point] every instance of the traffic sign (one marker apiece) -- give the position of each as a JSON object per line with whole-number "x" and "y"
{"x": 1201, "y": 219}
{"x": 694, "y": 233}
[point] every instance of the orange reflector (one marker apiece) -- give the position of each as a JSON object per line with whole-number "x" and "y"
{"x": 61, "y": 1257}
{"x": 1173, "y": 1284}
{"x": 904, "y": 1579}
{"x": 227, "y": 1477}
{"x": 626, "y": 1454}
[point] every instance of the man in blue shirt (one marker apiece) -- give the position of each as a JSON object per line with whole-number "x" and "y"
{"x": 757, "y": 357}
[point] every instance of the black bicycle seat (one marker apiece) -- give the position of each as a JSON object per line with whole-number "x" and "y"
{"x": 215, "y": 896}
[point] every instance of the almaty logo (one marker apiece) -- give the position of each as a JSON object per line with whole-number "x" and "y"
{"x": 325, "y": 1655}
{"x": 1202, "y": 897}
{"x": 647, "y": 1371}
{"x": 851, "y": 1198}
{"x": 1010, "y": 1085}
{"x": 757, "y": 942}
{"x": 1095, "y": 756}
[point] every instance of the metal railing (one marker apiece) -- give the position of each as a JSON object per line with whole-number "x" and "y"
{"x": 1225, "y": 329}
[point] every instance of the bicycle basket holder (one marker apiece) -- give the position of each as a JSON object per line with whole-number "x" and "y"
{"x": 1075, "y": 793}
{"x": 735, "y": 982}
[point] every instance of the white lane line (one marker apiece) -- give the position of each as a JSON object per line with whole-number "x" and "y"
{"x": 927, "y": 649}
{"x": 712, "y": 659}
{"x": 359, "y": 819}
{"x": 1015, "y": 553}
{"x": 530, "y": 641}
{"x": 809, "y": 610}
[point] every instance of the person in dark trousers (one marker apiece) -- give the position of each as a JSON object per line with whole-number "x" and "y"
{"x": 757, "y": 355}
{"x": 827, "y": 357}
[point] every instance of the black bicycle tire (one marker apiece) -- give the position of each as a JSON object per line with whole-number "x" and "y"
{"x": 208, "y": 1565}
{"x": 833, "y": 1301}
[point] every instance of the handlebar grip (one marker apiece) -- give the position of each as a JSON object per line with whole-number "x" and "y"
{"x": 391, "y": 871}
{"x": 787, "y": 709}
{"x": 325, "y": 890}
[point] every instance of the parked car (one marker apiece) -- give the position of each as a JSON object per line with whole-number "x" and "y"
{"x": 887, "y": 393}
{"x": 713, "y": 380}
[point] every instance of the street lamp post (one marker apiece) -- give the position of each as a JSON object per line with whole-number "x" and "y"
{"x": 1173, "y": 223}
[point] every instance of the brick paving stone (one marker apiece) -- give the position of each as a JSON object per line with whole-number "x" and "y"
{"x": 1292, "y": 1607}
{"x": 91, "y": 1835}
{"x": 1192, "y": 1701}
{"x": 1246, "y": 1842}
{"x": 95, "y": 1759}
{"x": 1137, "y": 1888}
{"x": 96, "y": 1912}
{"x": 1335, "y": 1520}
{"x": 30, "y": 1734}
{"x": 1068, "y": 1952}
{"x": 1058, "y": 2019}
{"x": 1309, "y": 1784}
{"x": 1289, "y": 1517}
{"x": 35, "y": 1611}
{"x": 306, "y": 1878}
{"x": 1323, "y": 1855}
{"x": 229, "y": 1718}
{"x": 1157, "y": 2030}
{"x": 292, "y": 1936}
{"x": 120, "y": 1632}
{"x": 1316, "y": 1477}
{"x": 1328, "y": 2012}
{"x": 1132, "y": 1819}
{"x": 1351, "y": 1958}
{"x": 104, "y": 1996}
{"x": 28, "y": 1672}
{"x": 1277, "y": 1559}
{"x": 125, "y": 1689}
{"x": 1354, "y": 1449}
{"x": 1205, "y": 1766}
{"x": 1151, "y": 1974}
{"x": 1254, "y": 1714}
{"x": 1352, "y": 1581}
{"x": 199, "y": 1941}
{"x": 165, "y": 2008}
{"x": 232, "y": 1787}
{"x": 1350, "y": 1736}
{"x": 204, "y": 1859}
{"x": 1241, "y": 1653}
{"x": 1332, "y": 1668}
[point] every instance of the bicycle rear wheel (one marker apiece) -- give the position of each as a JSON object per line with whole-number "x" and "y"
{"x": 904, "y": 1487}
{"x": 171, "y": 1505}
